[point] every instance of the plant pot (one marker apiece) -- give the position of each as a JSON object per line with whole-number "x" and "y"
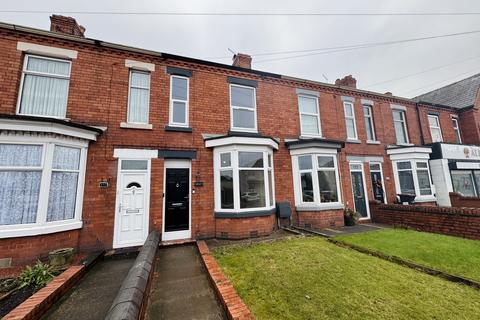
{"x": 61, "y": 257}
{"x": 349, "y": 221}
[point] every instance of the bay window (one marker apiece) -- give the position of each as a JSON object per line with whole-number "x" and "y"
{"x": 44, "y": 87}
{"x": 316, "y": 180}
{"x": 244, "y": 179}
{"x": 413, "y": 177}
{"x": 42, "y": 185}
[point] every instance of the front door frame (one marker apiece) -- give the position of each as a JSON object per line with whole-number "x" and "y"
{"x": 362, "y": 171}
{"x": 177, "y": 164}
{"x": 132, "y": 154}
{"x": 381, "y": 176}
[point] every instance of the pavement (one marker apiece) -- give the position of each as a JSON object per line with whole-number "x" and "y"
{"x": 181, "y": 288}
{"x": 91, "y": 298}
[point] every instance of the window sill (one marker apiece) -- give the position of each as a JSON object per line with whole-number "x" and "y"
{"x": 373, "y": 142}
{"x": 353, "y": 141}
{"x": 244, "y": 214}
{"x": 405, "y": 144}
{"x": 34, "y": 230}
{"x": 141, "y": 126}
{"x": 322, "y": 207}
{"x": 306, "y": 136}
{"x": 420, "y": 199}
{"x": 177, "y": 128}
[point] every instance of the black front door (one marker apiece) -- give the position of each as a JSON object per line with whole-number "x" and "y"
{"x": 177, "y": 193}
{"x": 359, "y": 193}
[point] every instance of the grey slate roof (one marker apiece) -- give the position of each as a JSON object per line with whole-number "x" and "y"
{"x": 458, "y": 95}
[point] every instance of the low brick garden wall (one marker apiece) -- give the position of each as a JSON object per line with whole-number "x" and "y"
{"x": 460, "y": 222}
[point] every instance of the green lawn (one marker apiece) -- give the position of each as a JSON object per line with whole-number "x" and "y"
{"x": 450, "y": 254}
{"x": 309, "y": 278}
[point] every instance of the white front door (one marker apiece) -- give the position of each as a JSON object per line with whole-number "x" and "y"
{"x": 131, "y": 217}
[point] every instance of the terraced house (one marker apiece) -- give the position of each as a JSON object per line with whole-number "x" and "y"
{"x": 101, "y": 143}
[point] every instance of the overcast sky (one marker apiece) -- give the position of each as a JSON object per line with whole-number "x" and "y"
{"x": 210, "y": 36}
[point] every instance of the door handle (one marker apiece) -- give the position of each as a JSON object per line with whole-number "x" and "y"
{"x": 176, "y": 204}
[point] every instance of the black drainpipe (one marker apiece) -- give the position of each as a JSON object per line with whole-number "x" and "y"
{"x": 422, "y": 140}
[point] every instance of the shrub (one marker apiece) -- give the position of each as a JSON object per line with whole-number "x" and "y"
{"x": 38, "y": 275}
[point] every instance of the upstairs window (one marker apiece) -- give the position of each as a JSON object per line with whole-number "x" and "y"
{"x": 243, "y": 108}
{"x": 400, "y": 123}
{"x": 435, "y": 130}
{"x": 369, "y": 126}
{"x": 456, "y": 128}
{"x": 350, "y": 120}
{"x": 179, "y": 101}
{"x": 309, "y": 115}
{"x": 44, "y": 87}
{"x": 138, "y": 97}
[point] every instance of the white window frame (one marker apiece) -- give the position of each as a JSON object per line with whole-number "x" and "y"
{"x": 352, "y": 117}
{"x": 232, "y": 107}
{"x": 369, "y": 118}
{"x": 381, "y": 177}
{"x": 404, "y": 125}
{"x": 26, "y": 72}
{"x": 456, "y": 129}
{"x": 314, "y": 153}
{"x": 317, "y": 115}
{"x": 234, "y": 150}
{"x": 434, "y": 116}
{"x": 413, "y": 164}
{"x": 42, "y": 226}
{"x": 172, "y": 100}
{"x": 130, "y": 86}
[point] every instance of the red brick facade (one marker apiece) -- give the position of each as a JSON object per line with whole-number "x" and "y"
{"x": 98, "y": 96}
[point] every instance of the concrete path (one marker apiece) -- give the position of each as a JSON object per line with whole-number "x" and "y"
{"x": 181, "y": 288}
{"x": 359, "y": 228}
{"x": 91, "y": 298}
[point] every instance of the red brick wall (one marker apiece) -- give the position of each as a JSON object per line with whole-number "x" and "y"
{"x": 98, "y": 96}
{"x": 461, "y": 222}
{"x": 320, "y": 219}
{"x": 458, "y": 200}
{"x": 240, "y": 228}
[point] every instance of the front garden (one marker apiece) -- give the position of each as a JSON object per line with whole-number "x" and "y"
{"x": 310, "y": 278}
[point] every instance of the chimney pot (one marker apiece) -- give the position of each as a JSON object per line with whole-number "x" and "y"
{"x": 388, "y": 93}
{"x": 67, "y": 25}
{"x": 347, "y": 81}
{"x": 242, "y": 60}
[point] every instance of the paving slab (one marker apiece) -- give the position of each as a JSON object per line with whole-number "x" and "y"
{"x": 91, "y": 298}
{"x": 359, "y": 228}
{"x": 181, "y": 288}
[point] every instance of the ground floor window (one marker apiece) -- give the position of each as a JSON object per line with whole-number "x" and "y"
{"x": 466, "y": 182}
{"x": 413, "y": 177}
{"x": 316, "y": 178}
{"x": 42, "y": 182}
{"x": 244, "y": 178}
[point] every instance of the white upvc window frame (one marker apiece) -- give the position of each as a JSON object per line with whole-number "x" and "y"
{"x": 437, "y": 118}
{"x": 26, "y": 72}
{"x": 314, "y": 153}
{"x": 380, "y": 170}
{"x": 232, "y": 107}
{"x": 172, "y": 100}
{"x": 456, "y": 129}
{"x": 42, "y": 226}
{"x": 370, "y": 120}
{"x": 352, "y": 117}
{"x": 234, "y": 150}
{"x": 414, "y": 169}
{"x": 130, "y": 86}
{"x": 317, "y": 115}
{"x": 404, "y": 126}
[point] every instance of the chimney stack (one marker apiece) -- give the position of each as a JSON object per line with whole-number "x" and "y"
{"x": 67, "y": 25}
{"x": 242, "y": 60}
{"x": 347, "y": 81}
